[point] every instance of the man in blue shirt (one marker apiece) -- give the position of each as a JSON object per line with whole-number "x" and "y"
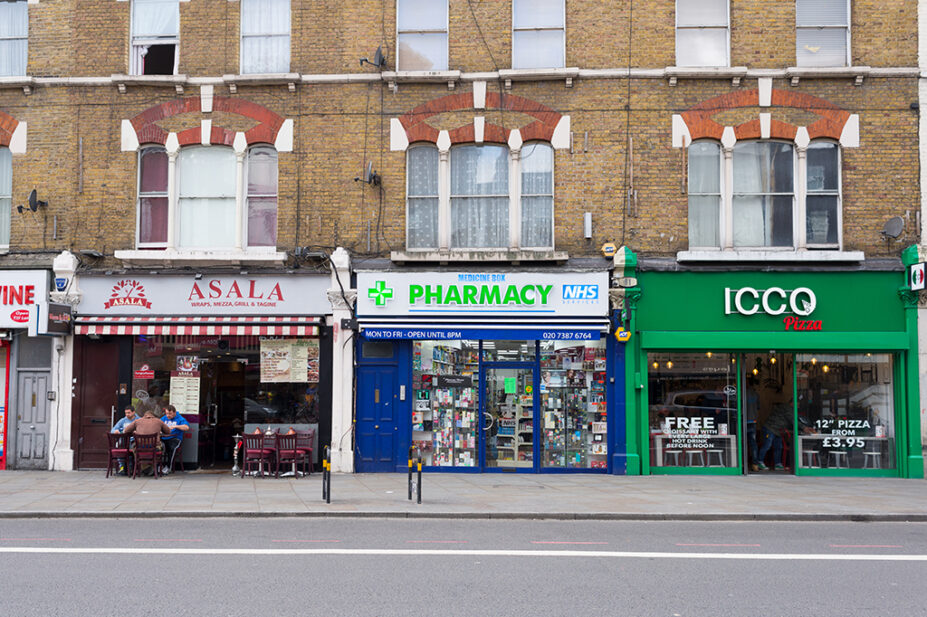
{"x": 120, "y": 427}
{"x": 172, "y": 442}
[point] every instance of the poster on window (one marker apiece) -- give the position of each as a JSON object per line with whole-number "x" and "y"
{"x": 185, "y": 391}
{"x": 289, "y": 361}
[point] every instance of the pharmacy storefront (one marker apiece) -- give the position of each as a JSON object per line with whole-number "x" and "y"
{"x": 484, "y": 371}
{"x": 808, "y": 373}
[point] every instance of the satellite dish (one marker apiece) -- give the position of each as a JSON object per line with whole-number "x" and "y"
{"x": 370, "y": 176}
{"x": 378, "y": 59}
{"x": 893, "y": 227}
{"x": 35, "y": 202}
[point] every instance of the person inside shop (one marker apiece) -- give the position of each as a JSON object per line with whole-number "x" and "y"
{"x": 178, "y": 426}
{"x": 148, "y": 424}
{"x": 775, "y": 428}
{"x": 751, "y": 406}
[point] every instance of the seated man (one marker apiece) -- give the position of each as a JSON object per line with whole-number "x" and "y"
{"x": 148, "y": 425}
{"x": 119, "y": 427}
{"x": 172, "y": 442}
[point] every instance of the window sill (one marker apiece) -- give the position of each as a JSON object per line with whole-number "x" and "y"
{"x": 393, "y": 78}
{"x": 805, "y": 256}
{"x": 261, "y": 79}
{"x": 167, "y": 81}
{"x": 199, "y": 257}
{"x": 858, "y": 73}
{"x": 566, "y": 74}
{"x": 456, "y": 255}
{"x": 734, "y": 73}
{"x": 18, "y": 81}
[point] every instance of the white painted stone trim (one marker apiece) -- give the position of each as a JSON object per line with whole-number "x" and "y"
{"x": 728, "y": 138}
{"x": 129, "y": 137}
{"x": 765, "y": 123}
{"x": 444, "y": 141}
{"x": 515, "y": 140}
{"x": 205, "y": 131}
{"x": 681, "y": 136}
{"x": 172, "y": 145}
{"x": 18, "y": 139}
{"x": 763, "y": 256}
{"x": 284, "y": 140}
{"x": 801, "y": 137}
{"x": 240, "y": 143}
{"x": 479, "y": 95}
{"x": 765, "y": 90}
{"x": 398, "y": 140}
{"x": 206, "y": 94}
{"x": 479, "y": 128}
{"x": 849, "y": 136}
{"x": 560, "y": 140}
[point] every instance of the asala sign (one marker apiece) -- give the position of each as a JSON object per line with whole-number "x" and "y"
{"x": 793, "y": 303}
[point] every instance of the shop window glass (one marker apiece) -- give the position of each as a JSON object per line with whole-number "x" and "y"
{"x": 265, "y": 36}
{"x": 152, "y": 197}
{"x": 693, "y": 409}
{"x": 573, "y": 420}
{"x": 422, "y": 33}
{"x": 6, "y": 195}
{"x": 34, "y": 352}
{"x": 509, "y": 351}
{"x": 445, "y": 402}
{"x": 763, "y": 194}
{"x": 846, "y": 411}
{"x": 537, "y": 34}
{"x": 14, "y": 38}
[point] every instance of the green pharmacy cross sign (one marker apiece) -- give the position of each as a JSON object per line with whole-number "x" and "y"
{"x": 380, "y": 293}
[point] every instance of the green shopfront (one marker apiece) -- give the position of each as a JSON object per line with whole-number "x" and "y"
{"x": 808, "y": 373}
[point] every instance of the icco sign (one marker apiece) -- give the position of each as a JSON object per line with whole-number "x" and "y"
{"x": 772, "y": 301}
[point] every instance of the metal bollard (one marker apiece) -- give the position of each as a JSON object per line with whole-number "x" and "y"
{"x": 411, "y": 463}
{"x": 420, "y": 478}
{"x": 327, "y": 475}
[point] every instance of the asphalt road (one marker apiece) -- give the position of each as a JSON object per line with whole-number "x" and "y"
{"x": 249, "y": 567}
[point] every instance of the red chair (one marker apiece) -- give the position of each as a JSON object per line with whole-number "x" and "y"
{"x": 147, "y": 448}
{"x": 287, "y": 452}
{"x": 304, "y": 441}
{"x": 118, "y": 450}
{"x": 255, "y": 454}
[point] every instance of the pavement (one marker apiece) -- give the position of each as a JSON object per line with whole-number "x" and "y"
{"x": 36, "y": 494}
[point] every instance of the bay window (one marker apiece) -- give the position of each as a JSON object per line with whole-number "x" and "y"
{"x": 222, "y": 199}
{"x": 538, "y": 34}
{"x": 480, "y": 197}
{"x": 422, "y": 35}
{"x": 777, "y": 197}
{"x": 822, "y": 32}
{"x": 265, "y": 36}
{"x": 702, "y": 33}
{"x": 155, "y": 37}
{"x": 14, "y": 38}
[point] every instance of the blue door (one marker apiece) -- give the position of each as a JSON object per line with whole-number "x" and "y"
{"x": 377, "y": 431}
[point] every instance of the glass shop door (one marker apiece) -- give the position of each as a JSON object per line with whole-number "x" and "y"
{"x": 509, "y": 410}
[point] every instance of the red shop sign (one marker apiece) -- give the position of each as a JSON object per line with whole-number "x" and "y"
{"x": 144, "y": 373}
{"x": 20, "y": 316}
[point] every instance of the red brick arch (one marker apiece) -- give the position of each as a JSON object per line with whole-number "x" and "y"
{"x": 830, "y": 122}
{"x": 542, "y": 128}
{"x": 8, "y": 125}
{"x": 148, "y": 131}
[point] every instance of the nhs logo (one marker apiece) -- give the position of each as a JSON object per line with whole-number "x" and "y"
{"x": 580, "y": 292}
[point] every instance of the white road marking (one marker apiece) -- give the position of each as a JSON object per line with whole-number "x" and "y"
{"x": 458, "y": 553}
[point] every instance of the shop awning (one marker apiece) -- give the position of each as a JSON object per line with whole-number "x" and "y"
{"x": 198, "y": 326}
{"x": 502, "y": 329}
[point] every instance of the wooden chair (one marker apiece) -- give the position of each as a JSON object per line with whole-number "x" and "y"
{"x": 304, "y": 441}
{"x": 255, "y": 454}
{"x": 147, "y": 448}
{"x": 286, "y": 452}
{"x": 118, "y": 450}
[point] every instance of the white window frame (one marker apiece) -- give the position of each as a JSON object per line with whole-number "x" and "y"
{"x": 444, "y": 202}
{"x": 846, "y": 27}
{"x": 799, "y": 201}
{"x": 562, "y": 30}
{"x": 727, "y": 35}
{"x": 139, "y": 46}
{"x": 287, "y": 34}
{"x": 140, "y": 195}
{"x": 25, "y": 37}
{"x": 173, "y": 200}
{"x": 445, "y": 32}
{"x": 9, "y": 196}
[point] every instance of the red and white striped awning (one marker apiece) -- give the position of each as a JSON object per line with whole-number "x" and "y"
{"x": 198, "y": 326}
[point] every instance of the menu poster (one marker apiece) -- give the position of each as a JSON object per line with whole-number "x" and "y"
{"x": 188, "y": 363}
{"x": 312, "y": 360}
{"x": 288, "y": 361}
{"x": 185, "y": 391}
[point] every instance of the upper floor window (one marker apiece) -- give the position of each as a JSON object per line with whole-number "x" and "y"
{"x": 422, "y": 35}
{"x": 6, "y": 195}
{"x": 265, "y": 36}
{"x": 209, "y": 211}
{"x": 537, "y": 34}
{"x": 766, "y": 205}
{"x": 155, "y": 37}
{"x": 822, "y": 32}
{"x": 702, "y": 31}
{"x": 467, "y": 200}
{"x": 14, "y": 38}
